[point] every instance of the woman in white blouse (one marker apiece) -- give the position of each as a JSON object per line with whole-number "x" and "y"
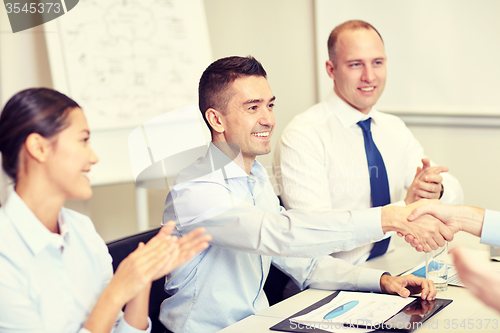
{"x": 55, "y": 270}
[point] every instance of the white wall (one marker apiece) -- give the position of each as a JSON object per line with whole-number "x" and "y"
{"x": 280, "y": 34}
{"x": 23, "y": 59}
{"x": 23, "y": 64}
{"x": 472, "y": 154}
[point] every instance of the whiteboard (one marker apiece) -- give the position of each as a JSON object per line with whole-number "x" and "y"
{"x": 442, "y": 55}
{"x": 126, "y": 62}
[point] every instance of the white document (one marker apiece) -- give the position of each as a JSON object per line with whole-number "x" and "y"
{"x": 354, "y": 308}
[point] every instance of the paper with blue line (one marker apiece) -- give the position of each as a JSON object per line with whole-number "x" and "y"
{"x": 341, "y": 309}
{"x": 356, "y": 308}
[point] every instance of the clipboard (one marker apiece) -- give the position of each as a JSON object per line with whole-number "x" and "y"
{"x": 390, "y": 325}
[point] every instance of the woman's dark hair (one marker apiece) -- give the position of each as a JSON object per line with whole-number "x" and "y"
{"x": 37, "y": 110}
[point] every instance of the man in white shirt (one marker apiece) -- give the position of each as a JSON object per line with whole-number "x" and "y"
{"x": 320, "y": 161}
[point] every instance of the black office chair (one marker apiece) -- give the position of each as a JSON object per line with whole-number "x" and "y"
{"x": 119, "y": 250}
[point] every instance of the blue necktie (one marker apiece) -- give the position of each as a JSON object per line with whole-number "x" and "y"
{"x": 379, "y": 183}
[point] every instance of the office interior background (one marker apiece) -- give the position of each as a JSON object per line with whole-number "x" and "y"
{"x": 280, "y": 34}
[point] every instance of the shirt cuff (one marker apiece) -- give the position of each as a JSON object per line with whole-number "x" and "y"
{"x": 124, "y": 327}
{"x": 369, "y": 280}
{"x": 490, "y": 233}
{"x": 367, "y": 225}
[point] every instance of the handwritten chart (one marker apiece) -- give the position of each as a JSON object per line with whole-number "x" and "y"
{"x": 126, "y": 62}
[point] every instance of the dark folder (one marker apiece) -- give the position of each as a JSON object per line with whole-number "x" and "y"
{"x": 396, "y": 323}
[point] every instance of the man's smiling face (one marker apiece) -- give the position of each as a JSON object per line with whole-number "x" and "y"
{"x": 360, "y": 73}
{"x": 248, "y": 120}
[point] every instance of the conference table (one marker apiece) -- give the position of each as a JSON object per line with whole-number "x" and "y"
{"x": 464, "y": 314}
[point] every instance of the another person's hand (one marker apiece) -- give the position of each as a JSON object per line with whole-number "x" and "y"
{"x": 479, "y": 279}
{"x": 427, "y": 232}
{"x": 427, "y": 183}
{"x": 153, "y": 260}
{"x": 407, "y": 285}
{"x": 457, "y": 218}
{"x": 187, "y": 246}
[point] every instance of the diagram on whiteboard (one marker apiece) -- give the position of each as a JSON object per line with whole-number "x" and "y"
{"x": 126, "y": 62}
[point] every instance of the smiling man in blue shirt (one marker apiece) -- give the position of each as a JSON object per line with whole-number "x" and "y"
{"x": 228, "y": 192}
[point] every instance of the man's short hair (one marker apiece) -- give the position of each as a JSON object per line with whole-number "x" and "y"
{"x": 349, "y": 25}
{"x": 213, "y": 90}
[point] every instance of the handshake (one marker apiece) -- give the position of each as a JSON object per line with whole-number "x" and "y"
{"x": 430, "y": 223}
{"x": 426, "y": 224}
